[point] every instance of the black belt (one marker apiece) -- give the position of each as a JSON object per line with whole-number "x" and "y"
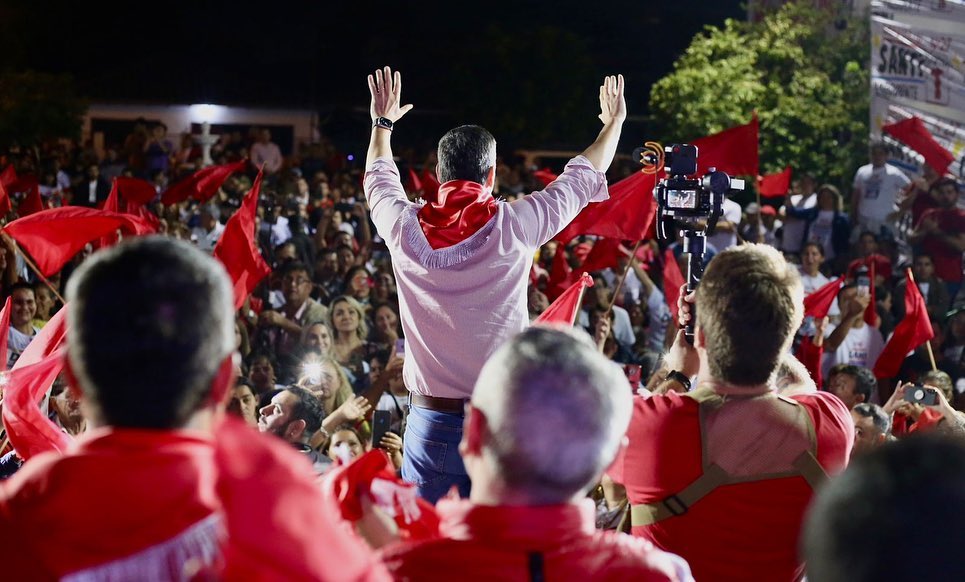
{"x": 450, "y": 405}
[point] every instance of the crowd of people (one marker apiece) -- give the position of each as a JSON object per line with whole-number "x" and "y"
{"x": 395, "y": 317}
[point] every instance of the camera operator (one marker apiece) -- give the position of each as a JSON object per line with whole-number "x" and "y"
{"x": 722, "y": 475}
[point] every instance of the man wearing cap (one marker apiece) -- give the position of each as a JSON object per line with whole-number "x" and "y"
{"x": 462, "y": 261}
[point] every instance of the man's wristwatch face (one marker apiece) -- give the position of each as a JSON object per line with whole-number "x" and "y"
{"x": 383, "y": 122}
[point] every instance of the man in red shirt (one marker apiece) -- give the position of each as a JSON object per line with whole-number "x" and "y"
{"x": 547, "y": 416}
{"x": 722, "y": 475}
{"x": 941, "y": 234}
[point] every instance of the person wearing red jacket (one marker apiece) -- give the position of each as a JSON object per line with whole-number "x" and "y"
{"x": 722, "y": 474}
{"x": 161, "y": 487}
{"x": 547, "y": 416}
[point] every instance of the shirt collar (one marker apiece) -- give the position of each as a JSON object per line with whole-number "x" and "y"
{"x": 515, "y": 526}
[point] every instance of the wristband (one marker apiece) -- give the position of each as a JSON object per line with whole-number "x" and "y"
{"x": 383, "y": 122}
{"x": 679, "y": 378}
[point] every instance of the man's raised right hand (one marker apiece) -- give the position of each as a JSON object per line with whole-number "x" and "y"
{"x": 386, "y": 89}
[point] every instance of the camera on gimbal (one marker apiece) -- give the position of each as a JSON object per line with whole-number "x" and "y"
{"x": 688, "y": 202}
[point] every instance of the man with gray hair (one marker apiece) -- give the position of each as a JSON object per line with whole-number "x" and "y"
{"x": 462, "y": 262}
{"x": 210, "y": 229}
{"x": 547, "y": 416}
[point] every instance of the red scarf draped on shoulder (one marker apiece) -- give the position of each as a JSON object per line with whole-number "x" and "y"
{"x": 461, "y": 208}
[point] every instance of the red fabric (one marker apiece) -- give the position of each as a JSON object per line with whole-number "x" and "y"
{"x": 32, "y": 203}
{"x": 870, "y": 312}
{"x": 372, "y": 474}
{"x": 912, "y": 331}
{"x": 47, "y": 341}
{"x": 903, "y": 425}
{"x": 605, "y": 254}
{"x": 561, "y": 274}
{"x": 545, "y": 176}
{"x": 4, "y": 333}
{"x": 913, "y": 133}
{"x": 733, "y": 150}
{"x": 54, "y": 236}
{"x": 818, "y": 303}
{"x": 134, "y": 191}
{"x": 775, "y": 185}
{"x": 415, "y": 184}
{"x": 880, "y": 263}
{"x": 202, "y": 184}
{"x": 29, "y": 430}
{"x": 430, "y": 186}
{"x": 237, "y": 249}
{"x": 5, "y": 204}
{"x": 810, "y": 355}
{"x": 746, "y": 531}
{"x": 627, "y": 215}
{"x": 460, "y": 209}
{"x": 673, "y": 279}
{"x": 8, "y": 177}
{"x": 566, "y": 306}
{"x": 948, "y": 260}
{"x": 482, "y": 542}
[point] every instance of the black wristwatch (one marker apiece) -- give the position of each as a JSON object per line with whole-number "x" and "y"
{"x": 383, "y": 122}
{"x": 680, "y": 378}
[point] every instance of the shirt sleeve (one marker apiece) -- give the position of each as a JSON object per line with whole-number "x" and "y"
{"x": 386, "y": 197}
{"x": 833, "y": 428}
{"x": 541, "y": 215}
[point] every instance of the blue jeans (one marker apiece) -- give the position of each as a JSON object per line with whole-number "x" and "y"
{"x": 431, "y": 457}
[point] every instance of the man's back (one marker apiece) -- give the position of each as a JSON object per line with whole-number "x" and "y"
{"x": 529, "y": 543}
{"x": 746, "y": 531}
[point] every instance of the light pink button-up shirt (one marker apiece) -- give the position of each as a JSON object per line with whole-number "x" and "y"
{"x": 460, "y": 303}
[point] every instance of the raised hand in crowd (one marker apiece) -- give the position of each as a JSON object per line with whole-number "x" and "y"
{"x": 392, "y": 444}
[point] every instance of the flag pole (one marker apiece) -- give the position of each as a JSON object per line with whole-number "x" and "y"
{"x": 579, "y": 301}
{"x": 37, "y": 272}
{"x": 623, "y": 276}
{"x": 931, "y": 354}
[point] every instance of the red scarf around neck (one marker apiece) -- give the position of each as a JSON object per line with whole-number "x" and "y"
{"x": 460, "y": 209}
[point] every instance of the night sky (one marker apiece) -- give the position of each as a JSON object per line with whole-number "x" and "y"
{"x": 316, "y": 54}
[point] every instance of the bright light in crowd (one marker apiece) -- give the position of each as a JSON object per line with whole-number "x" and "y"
{"x": 207, "y": 112}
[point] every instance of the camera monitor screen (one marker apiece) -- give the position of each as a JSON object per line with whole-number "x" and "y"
{"x": 682, "y": 199}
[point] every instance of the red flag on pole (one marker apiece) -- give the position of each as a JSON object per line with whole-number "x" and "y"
{"x": 567, "y": 305}
{"x": 29, "y": 430}
{"x": 415, "y": 184}
{"x": 818, "y": 303}
{"x": 134, "y": 191}
{"x": 202, "y": 184}
{"x": 627, "y": 215}
{"x": 32, "y": 203}
{"x": 870, "y": 315}
{"x": 605, "y": 254}
{"x": 775, "y": 185}
{"x": 545, "y": 176}
{"x": 237, "y": 250}
{"x": 733, "y": 150}
{"x": 5, "y": 204}
{"x": 113, "y": 203}
{"x": 911, "y": 332}
{"x": 561, "y": 274}
{"x": 672, "y": 280}
{"x": 8, "y": 177}
{"x": 913, "y": 133}
{"x": 430, "y": 186}
{"x": 4, "y": 333}
{"x": 54, "y": 236}
{"x": 47, "y": 341}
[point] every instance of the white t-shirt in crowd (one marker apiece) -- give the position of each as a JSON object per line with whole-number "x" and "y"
{"x": 861, "y": 347}
{"x": 731, "y": 212}
{"x": 820, "y": 232}
{"x": 879, "y": 188}
{"x": 793, "y": 237}
{"x": 17, "y": 342}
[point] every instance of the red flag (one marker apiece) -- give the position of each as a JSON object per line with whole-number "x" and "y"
{"x": 733, "y": 150}
{"x": 237, "y": 249}
{"x": 627, "y": 215}
{"x": 672, "y": 280}
{"x": 8, "y": 177}
{"x": 870, "y": 315}
{"x": 430, "y": 185}
{"x": 561, "y": 274}
{"x": 29, "y": 430}
{"x": 134, "y": 191}
{"x": 4, "y": 333}
{"x": 202, "y": 184}
{"x": 605, "y": 254}
{"x": 818, "y": 303}
{"x": 775, "y": 185}
{"x": 113, "y": 203}
{"x": 567, "y": 305}
{"x": 912, "y": 331}
{"x": 32, "y": 202}
{"x": 47, "y": 341}
{"x": 545, "y": 176}
{"x": 54, "y": 236}
{"x": 415, "y": 184}
{"x": 913, "y": 133}
{"x": 5, "y": 204}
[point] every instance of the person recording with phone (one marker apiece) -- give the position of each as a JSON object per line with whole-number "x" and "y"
{"x": 853, "y": 341}
{"x": 925, "y": 406}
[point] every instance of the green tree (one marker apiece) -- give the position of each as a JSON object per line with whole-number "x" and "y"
{"x": 38, "y": 106}
{"x": 804, "y": 71}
